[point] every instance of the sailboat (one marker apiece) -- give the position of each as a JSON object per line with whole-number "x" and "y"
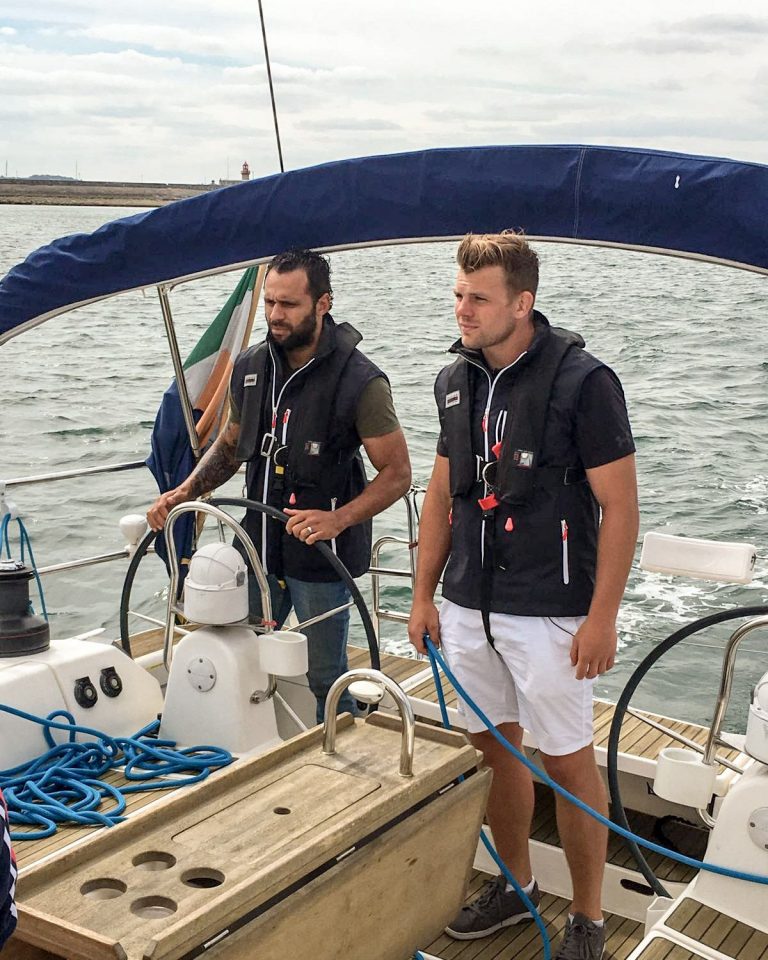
{"x": 379, "y": 874}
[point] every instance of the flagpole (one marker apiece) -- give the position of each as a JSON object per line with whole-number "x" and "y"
{"x": 178, "y": 369}
{"x": 257, "y": 288}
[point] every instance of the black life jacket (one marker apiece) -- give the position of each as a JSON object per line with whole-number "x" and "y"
{"x": 540, "y": 541}
{"x": 305, "y": 453}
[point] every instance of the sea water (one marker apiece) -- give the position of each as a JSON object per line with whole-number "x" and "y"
{"x": 688, "y": 340}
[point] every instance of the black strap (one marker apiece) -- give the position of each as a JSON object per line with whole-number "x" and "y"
{"x": 486, "y": 576}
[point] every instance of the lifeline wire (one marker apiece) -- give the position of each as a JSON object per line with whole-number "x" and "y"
{"x": 546, "y": 779}
{"x": 63, "y": 786}
{"x": 486, "y": 842}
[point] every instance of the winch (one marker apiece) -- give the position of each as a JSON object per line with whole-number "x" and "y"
{"x": 21, "y": 631}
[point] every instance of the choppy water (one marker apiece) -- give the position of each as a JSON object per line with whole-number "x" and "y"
{"x": 689, "y": 341}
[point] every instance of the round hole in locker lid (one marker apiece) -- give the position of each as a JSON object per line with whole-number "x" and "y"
{"x": 104, "y": 888}
{"x": 282, "y": 810}
{"x": 154, "y": 860}
{"x": 202, "y": 877}
{"x": 153, "y": 908}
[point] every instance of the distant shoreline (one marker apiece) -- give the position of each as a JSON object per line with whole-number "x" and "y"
{"x": 91, "y": 193}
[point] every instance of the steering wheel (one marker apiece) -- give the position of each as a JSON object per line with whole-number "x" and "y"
{"x": 618, "y": 814}
{"x": 325, "y": 550}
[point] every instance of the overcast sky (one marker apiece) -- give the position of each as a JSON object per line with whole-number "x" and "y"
{"x": 175, "y": 90}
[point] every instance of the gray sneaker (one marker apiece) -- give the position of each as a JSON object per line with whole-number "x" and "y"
{"x": 582, "y": 940}
{"x": 491, "y": 910}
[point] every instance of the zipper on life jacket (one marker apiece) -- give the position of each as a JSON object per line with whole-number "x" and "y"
{"x": 564, "y": 539}
{"x": 334, "y": 500}
{"x": 286, "y": 418}
{"x": 492, "y": 381}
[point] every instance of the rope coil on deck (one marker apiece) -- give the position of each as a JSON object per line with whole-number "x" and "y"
{"x": 64, "y": 785}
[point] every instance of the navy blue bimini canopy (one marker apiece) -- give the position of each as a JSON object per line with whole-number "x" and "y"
{"x": 664, "y": 202}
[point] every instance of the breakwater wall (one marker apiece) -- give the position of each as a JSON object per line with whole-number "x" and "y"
{"x": 101, "y": 193}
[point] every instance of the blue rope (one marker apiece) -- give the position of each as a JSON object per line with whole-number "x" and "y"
{"x": 24, "y": 541}
{"x": 4, "y": 534}
{"x": 24, "y": 537}
{"x": 545, "y": 778}
{"x": 486, "y": 842}
{"x": 63, "y": 787}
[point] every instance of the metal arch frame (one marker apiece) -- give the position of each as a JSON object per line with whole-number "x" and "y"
{"x": 199, "y": 506}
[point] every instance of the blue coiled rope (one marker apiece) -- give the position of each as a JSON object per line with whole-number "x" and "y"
{"x": 24, "y": 543}
{"x": 63, "y": 786}
{"x": 542, "y": 775}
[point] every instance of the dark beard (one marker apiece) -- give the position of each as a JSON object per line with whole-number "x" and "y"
{"x": 302, "y": 336}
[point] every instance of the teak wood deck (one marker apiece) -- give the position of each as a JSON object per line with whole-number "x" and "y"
{"x": 718, "y": 931}
{"x": 523, "y": 941}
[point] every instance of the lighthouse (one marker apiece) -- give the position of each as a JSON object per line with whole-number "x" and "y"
{"x": 245, "y": 171}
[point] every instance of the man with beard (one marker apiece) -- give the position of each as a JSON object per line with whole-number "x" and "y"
{"x": 302, "y": 403}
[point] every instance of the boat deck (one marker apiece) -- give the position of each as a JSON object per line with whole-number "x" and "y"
{"x": 523, "y": 941}
{"x": 687, "y": 838}
{"x": 727, "y": 936}
{"x": 29, "y": 852}
{"x": 638, "y": 739}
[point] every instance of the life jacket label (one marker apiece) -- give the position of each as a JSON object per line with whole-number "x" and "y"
{"x": 250, "y": 379}
{"x": 313, "y": 448}
{"x": 523, "y": 458}
{"x": 453, "y": 399}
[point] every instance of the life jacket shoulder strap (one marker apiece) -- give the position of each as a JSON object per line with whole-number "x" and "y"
{"x": 526, "y": 418}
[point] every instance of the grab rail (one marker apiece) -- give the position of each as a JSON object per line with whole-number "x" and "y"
{"x": 378, "y": 613}
{"x": 79, "y": 472}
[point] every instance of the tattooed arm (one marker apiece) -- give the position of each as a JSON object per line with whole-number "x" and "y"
{"x": 216, "y": 467}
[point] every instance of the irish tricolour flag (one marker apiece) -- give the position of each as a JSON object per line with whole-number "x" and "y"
{"x": 208, "y": 367}
{"x": 206, "y": 372}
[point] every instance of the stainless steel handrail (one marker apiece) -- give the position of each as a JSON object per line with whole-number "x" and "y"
{"x": 726, "y": 683}
{"x": 85, "y": 562}
{"x": 80, "y": 472}
{"x": 378, "y": 613}
{"x": 408, "y": 739}
{"x": 323, "y": 616}
{"x": 199, "y": 506}
{"x": 686, "y": 741}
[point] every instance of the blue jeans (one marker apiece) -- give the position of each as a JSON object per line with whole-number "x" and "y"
{"x": 326, "y": 641}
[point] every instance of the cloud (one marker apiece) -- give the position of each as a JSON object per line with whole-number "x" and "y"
{"x": 669, "y": 45}
{"x": 182, "y": 41}
{"x": 724, "y": 25}
{"x": 348, "y": 123}
{"x": 172, "y": 91}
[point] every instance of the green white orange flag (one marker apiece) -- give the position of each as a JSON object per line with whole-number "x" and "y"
{"x": 208, "y": 368}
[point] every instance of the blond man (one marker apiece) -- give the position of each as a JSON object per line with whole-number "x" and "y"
{"x": 532, "y": 514}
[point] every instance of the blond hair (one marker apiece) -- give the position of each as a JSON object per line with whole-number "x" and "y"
{"x": 508, "y": 250}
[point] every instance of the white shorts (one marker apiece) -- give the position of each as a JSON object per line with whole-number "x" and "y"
{"x": 528, "y": 679}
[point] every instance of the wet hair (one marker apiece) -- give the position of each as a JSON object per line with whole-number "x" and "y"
{"x": 508, "y": 250}
{"x": 316, "y": 267}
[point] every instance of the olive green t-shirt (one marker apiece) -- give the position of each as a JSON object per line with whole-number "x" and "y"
{"x": 376, "y": 415}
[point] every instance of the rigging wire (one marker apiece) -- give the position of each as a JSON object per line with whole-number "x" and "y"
{"x": 271, "y": 88}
